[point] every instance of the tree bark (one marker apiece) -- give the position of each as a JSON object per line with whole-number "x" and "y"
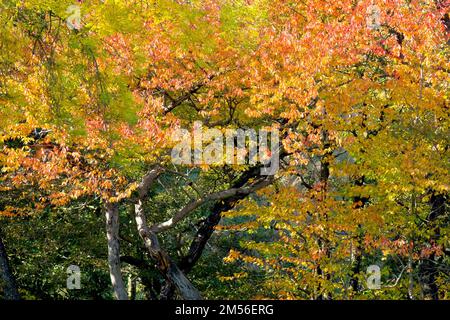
{"x": 7, "y": 280}
{"x": 207, "y": 227}
{"x": 324, "y": 243}
{"x": 131, "y": 287}
{"x": 163, "y": 262}
{"x": 428, "y": 268}
{"x": 112, "y": 232}
{"x": 359, "y": 202}
{"x": 174, "y": 276}
{"x": 357, "y": 255}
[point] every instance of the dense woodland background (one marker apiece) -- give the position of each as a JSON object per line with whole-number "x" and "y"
{"x": 359, "y": 91}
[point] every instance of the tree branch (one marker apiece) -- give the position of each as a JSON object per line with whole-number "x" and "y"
{"x": 165, "y": 265}
{"x": 220, "y": 195}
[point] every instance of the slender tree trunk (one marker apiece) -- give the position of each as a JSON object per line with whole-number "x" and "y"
{"x": 199, "y": 242}
{"x": 7, "y": 280}
{"x": 164, "y": 264}
{"x": 132, "y": 287}
{"x": 324, "y": 243}
{"x": 357, "y": 260}
{"x": 152, "y": 286}
{"x": 359, "y": 202}
{"x": 112, "y": 232}
{"x": 428, "y": 268}
{"x": 206, "y": 229}
{"x": 410, "y": 277}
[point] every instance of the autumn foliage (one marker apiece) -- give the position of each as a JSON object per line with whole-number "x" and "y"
{"x": 359, "y": 91}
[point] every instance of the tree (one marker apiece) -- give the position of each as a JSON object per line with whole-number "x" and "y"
{"x": 8, "y": 283}
{"x": 357, "y": 91}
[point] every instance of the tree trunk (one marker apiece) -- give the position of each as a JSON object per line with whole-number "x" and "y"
{"x": 112, "y": 232}
{"x": 428, "y": 269}
{"x": 207, "y": 228}
{"x": 324, "y": 243}
{"x": 7, "y": 280}
{"x": 164, "y": 264}
{"x": 359, "y": 202}
{"x": 131, "y": 287}
{"x": 357, "y": 255}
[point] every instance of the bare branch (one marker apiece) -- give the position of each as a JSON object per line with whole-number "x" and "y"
{"x": 220, "y": 195}
{"x": 147, "y": 181}
{"x": 187, "y": 95}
